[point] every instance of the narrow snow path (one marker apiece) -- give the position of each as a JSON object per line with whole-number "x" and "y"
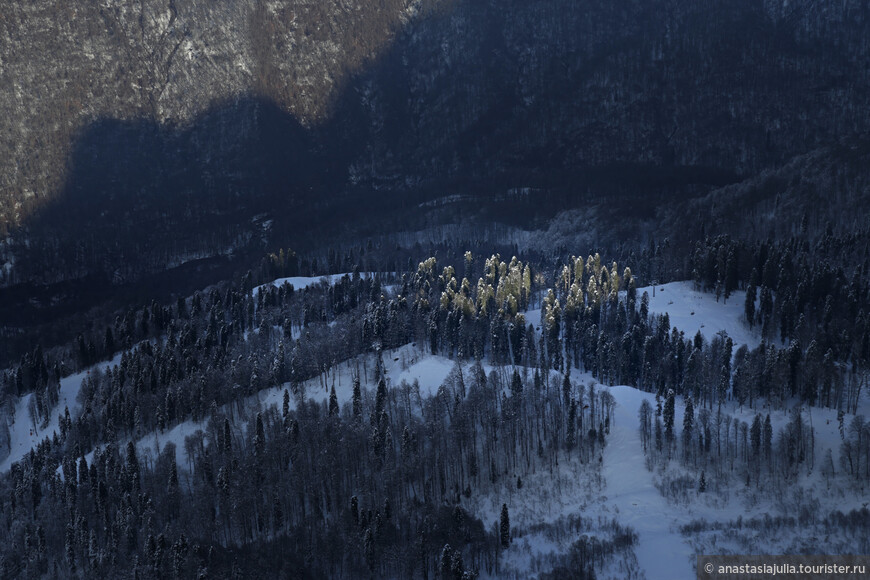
{"x": 661, "y": 551}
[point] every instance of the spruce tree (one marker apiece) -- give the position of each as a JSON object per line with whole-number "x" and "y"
{"x": 259, "y": 436}
{"x": 755, "y": 438}
{"x": 333, "y": 402}
{"x": 369, "y": 549}
{"x": 505, "y": 527}
{"x": 380, "y": 401}
{"x": 354, "y": 510}
{"x": 445, "y": 563}
{"x": 749, "y": 306}
{"x": 357, "y": 398}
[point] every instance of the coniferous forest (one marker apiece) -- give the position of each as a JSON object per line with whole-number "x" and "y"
{"x": 431, "y": 289}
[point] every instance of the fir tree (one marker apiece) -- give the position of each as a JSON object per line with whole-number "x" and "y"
{"x": 259, "y": 436}
{"x": 755, "y": 438}
{"x": 357, "y": 398}
{"x": 333, "y": 402}
{"x": 380, "y": 401}
{"x": 749, "y": 306}
{"x": 369, "y": 549}
{"x": 505, "y": 527}
{"x": 445, "y": 563}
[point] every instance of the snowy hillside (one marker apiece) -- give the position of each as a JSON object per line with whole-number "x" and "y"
{"x": 692, "y": 311}
{"x": 301, "y": 282}
{"x": 616, "y": 493}
{"x": 25, "y": 433}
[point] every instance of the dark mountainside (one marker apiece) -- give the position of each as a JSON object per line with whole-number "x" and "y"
{"x": 144, "y": 136}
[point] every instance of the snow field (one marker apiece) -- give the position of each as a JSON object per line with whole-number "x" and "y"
{"x": 692, "y": 311}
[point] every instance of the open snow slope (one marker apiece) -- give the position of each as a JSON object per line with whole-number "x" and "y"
{"x": 662, "y": 551}
{"x": 406, "y": 363}
{"x": 630, "y": 491}
{"x": 300, "y": 282}
{"x": 692, "y": 311}
{"x": 25, "y": 434}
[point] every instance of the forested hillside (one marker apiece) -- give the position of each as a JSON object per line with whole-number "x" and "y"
{"x": 380, "y": 482}
{"x": 444, "y": 289}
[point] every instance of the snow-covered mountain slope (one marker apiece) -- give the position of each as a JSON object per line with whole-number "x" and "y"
{"x": 406, "y": 364}
{"x": 301, "y": 282}
{"x": 25, "y": 433}
{"x": 627, "y": 492}
{"x": 631, "y": 492}
{"x": 630, "y": 495}
{"x": 692, "y": 311}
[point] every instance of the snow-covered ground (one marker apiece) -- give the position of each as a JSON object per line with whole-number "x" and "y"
{"x": 25, "y": 433}
{"x": 692, "y": 311}
{"x": 301, "y": 282}
{"x": 631, "y": 493}
{"x": 630, "y": 496}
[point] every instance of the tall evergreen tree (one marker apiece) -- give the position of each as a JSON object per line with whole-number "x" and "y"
{"x": 767, "y": 439}
{"x": 357, "y": 398}
{"x": 259, "y": 436}
{"x": 505, "y": 527}
{"x": 749, "y": 305}
{"x": 285, "y": 405}
{"x": 333, "y": 402}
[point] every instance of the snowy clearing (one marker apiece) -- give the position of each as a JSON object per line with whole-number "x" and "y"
{"x": 692, "y": 311}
